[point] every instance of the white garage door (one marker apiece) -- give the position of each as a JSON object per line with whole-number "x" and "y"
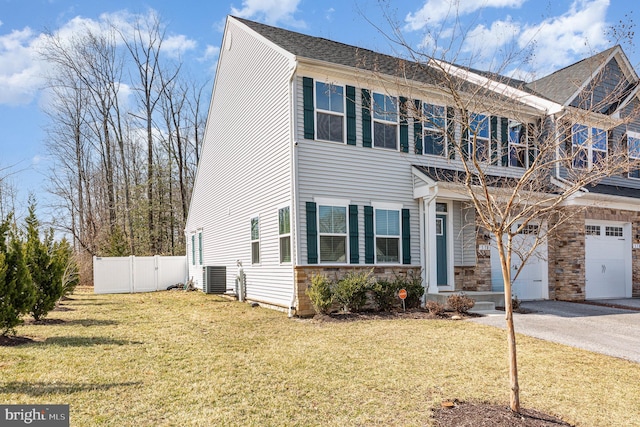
{"x": 532, "y": 282}
{"x": 608, "y": 260}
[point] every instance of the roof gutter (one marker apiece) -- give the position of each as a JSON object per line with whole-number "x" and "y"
{"x": 526, "y": 98}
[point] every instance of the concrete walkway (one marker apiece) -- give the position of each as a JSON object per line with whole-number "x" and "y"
{"x": 611, "y": 331}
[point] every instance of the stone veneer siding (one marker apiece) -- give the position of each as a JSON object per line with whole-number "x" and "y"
{"x": 304, "y": 274}
{"x": 478, "y": 277}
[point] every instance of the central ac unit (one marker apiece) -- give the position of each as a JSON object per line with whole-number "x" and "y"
{"x": 214, "y": 279}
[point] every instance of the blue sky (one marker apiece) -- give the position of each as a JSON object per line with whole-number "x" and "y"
{"x": 561, "y": 32}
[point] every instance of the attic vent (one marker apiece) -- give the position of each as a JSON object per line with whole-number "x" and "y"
{"x": 214, "y": 279}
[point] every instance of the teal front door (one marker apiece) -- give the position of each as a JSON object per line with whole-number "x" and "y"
{"x": 441, "y": 250}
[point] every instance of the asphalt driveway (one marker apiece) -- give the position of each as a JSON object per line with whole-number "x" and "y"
{"x": 611, "y": 331}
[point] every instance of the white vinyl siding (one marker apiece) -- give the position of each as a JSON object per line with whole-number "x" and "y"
{"x": 464, "y": 235}
{"x": 246, "y": 166}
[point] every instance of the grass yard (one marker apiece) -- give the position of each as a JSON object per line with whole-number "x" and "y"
{"x": 183, "y": 359}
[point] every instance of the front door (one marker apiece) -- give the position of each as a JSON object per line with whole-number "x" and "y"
{"x": 441, "y": 250}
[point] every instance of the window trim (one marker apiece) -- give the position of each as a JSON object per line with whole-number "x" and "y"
{"x": 428, "y": 127}
{"x": 473, "y": 133}
{"x": 588, "y": 145}
{"x": 636, "y": 136}
{"x": 384, "y": 121}
{"x": 511, "y": 144}
{"x": 254, "y": 241}
{"x": 331, "y": 202}
{"x": 284, "y": 235}
{"x": 317, "y": 110}
{"x": 387, "y": 207}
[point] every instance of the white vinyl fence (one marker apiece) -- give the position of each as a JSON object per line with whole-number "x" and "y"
{"x": 115, "y": 275}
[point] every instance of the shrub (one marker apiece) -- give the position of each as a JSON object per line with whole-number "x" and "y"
{"x": 320, "y": 293}
{"x": 412, "y": 282}
{"x": 460, "y": 303}
{"x": 384, "y": 294}
{"x": 351, "y": 291}
{"x": 435, "y": 308}
{"x": 17, "y": 293}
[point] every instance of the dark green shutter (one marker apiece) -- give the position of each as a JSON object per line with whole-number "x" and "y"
{"x": 417, "y": 128}
{"x": 451, "y": 132}
{"x": 464, "y": 143}
{"x": 366, "y": 118}
{"x": 307, "y": 98}
{"x": 504, "y": 140}
{"x": 312, "y": 234}
{"x": 404, "y": 126}
{"x": 531, "y": 142}
{"x": 369, "y": 243}
{"x": 406, "y": 237}
{"x": 351, "y": 115}
{"x": 494, "y": 140}
{"x": 354, "y": 247}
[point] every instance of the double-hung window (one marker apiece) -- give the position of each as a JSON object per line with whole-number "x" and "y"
{"x": 479, "y": 131}
{"x": 518, "y": 144}
{"x": 329, "y": 112}
{"x": 284, "y": 231}
{"x": 332, "y": 227}
{"x": 633, "y": 145}
{"x": 385, "y": 121}
{"x": 434, "y": 129}
{"x": 387, "y": 235}
{"x": 588, "y": 146}
{"x": 255, "y": 240}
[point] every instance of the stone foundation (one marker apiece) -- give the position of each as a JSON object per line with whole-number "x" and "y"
{"x": 304, "y": 274}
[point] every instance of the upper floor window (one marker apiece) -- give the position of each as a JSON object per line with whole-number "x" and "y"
{"x": 332, "y": 227}
{"x": 633, "y": 145}
{"x": 518, "y": 144}
{"x": 479, "y": 132}
{"x": 589, "y": 146}
{"x": 284, "y": 231}
{"x": 387, "y": 235}
{"x": 434, "y": 129}
{"x": 329, "y": 112}
{"x": 255, "y": 240}
{"x": 385, "y": 121}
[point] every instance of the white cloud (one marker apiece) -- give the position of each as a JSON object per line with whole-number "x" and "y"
{"x": 174, "y": 46}
{"x": 271, "y": 11}
{"x": 435, "y": 11}
{"x": 558, "y": 41}
{"x": 486, "y": 43}
{"x": 21, "y": 70}
{"x": 211, "y": 52}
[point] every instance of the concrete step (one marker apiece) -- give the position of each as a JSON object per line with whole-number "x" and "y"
{"x": 481, "y": 306}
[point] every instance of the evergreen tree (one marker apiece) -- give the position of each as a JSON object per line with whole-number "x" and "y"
{"x": 66, "y": 266}
{"x": 17, "y": 293}
{"x": 46, "y": 275}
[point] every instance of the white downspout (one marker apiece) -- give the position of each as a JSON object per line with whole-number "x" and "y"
{"x": 293, "y": 233}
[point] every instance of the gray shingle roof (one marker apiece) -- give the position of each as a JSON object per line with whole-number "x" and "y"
{"x": 562, "y": 84}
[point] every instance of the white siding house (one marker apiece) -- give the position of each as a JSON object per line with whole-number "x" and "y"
{"x": 312, "y": 163}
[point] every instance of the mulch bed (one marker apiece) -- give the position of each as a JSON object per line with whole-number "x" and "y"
{"x": 463, "y": 414}
{"x": 414, "y": 313}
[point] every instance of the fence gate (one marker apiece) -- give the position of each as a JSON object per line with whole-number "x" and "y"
{"x": 113, "y": 275}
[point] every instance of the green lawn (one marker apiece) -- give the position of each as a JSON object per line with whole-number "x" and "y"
{"x": 181, "y": 359}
